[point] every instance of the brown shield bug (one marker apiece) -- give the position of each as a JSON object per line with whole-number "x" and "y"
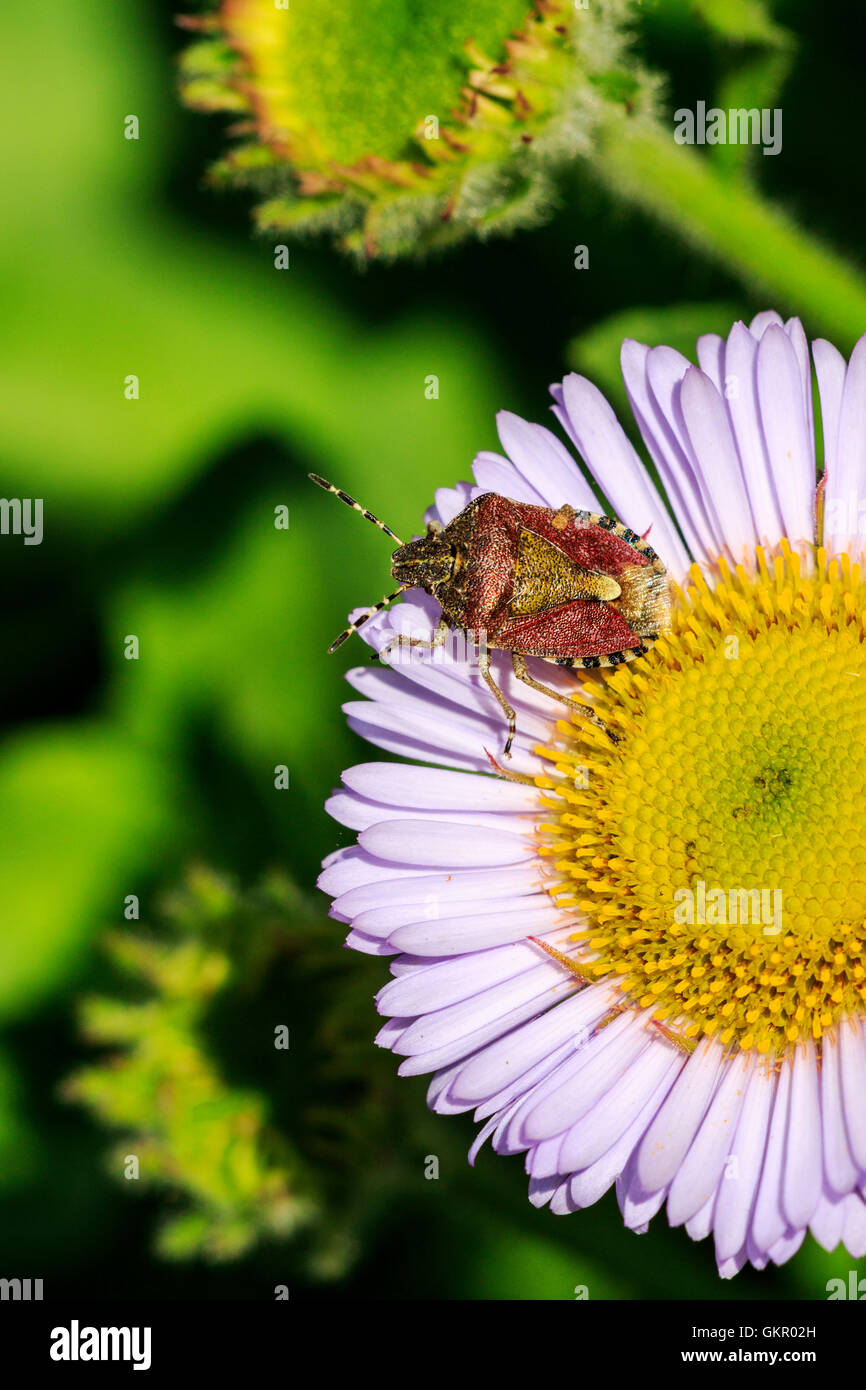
{"x": 571, "y": 587}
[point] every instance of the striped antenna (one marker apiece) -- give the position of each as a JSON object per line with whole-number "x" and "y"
{"x": 353, "y": 627}
{"x": 356, "y": 506}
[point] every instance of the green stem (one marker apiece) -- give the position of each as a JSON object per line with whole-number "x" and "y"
{"x": 732, "y": 222}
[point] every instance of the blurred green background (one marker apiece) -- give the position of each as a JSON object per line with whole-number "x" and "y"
{"x": 116, "y": 775}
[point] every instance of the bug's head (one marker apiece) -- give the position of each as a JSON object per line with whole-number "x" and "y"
{"x": 425, "y": 563}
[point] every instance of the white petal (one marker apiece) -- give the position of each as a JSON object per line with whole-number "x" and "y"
{"x": 465, "y": 1017}
{"x": 432, "y": 789}
{"x": 803, "y": 1170}
{"x": 854, "y": 1228}
{"x": 449, "y": 502}
{"x": 790, "y": 448}
{"x": 493, "y": 473}
{"x": 667, "y": 1140}
{"x": 425, "y": 989}
{"x": 350, "y": 868}
{"x": 786, "y": 1246}
{"x": 695, "y": 1181}
{"x": 796, "y": 333}
{"x": 478, "y": 932}
{"x": 742, "y": 402}
{"x": 711, "y": 359}
{"x": 827, "y": 1222}
{"x": 830, "y": 370}
{"x": 466, "y": 1045}
{"x": 637, "y": 1206}
{"x": 359, "y": 813}
{"x": 768, "y": 1223}
{"x": 839, "y": 1166}
{"x": 598, "y": 1064}
{"x": 715, "y": 456}
{"x": 436, "y": 844}
{"x": 587, "y": 1186}
{"x": 849, "y": 491}
{"x": 514, "y": 1056}
{"x": 604, "y": 1125}
{"x": 541, "y": 458}
{"x": 393, "y": 916}
{"x": 852, "y": 1050}
{"x": 761, "y": 322}
{"x": 435, "y": 891}
{"x": 700, "y": 1225}
{"x": 737, "y": 1189}
{"x": 665, "y": 450}
{"x": 666, "y": 370}
{"x": 609, "y": 456}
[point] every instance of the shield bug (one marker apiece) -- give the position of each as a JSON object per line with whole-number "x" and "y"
{"x": 574, "y": 588}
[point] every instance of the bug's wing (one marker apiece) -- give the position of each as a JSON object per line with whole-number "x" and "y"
{"x": 601, "y": 545}
{"x": 557, "y": 568}
{"x": 581, "y": 628}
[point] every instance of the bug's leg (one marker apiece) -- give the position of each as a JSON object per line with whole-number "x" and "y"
{"x": 509, "y": 776}
{"x": 484, "y": 668}
{"x": 425, "y": 643}
{"x": 435, "y": 528}
{"x": 580, "y": 972}
{"x": 686, "y": 1045}
{"x": 563, "y": 516}
{"x": 520, "y": 671}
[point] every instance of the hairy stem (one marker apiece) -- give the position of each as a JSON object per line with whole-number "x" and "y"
{"x": 732, "y": 221}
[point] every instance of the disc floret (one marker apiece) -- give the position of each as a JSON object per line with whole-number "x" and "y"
{"x": 716, "y": 852}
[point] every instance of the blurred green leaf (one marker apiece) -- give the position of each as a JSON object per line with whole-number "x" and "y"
{"x": 596, "y": 352}
{"x": 744, "y": 21}
{"x": 503, "y": 1263}
{"x": 84, "y": 810}
{"x": 754, "y": 83}
{"x": 241, "y": 651}
{"x": 187, "y": 1130}
{"x": 218, "y": 356}
{"x": 18, "y": 1143}
{"x": 814, "y": 1267}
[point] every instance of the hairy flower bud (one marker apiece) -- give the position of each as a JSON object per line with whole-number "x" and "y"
{"x": 409, "y": 127}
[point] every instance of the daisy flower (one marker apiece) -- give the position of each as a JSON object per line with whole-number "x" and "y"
{"x": 641, "y": 963}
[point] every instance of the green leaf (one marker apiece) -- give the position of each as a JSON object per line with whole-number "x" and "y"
{"x": 814, "y": 1267}
{"x": 18, "y": 1144}
{"x": 188, "y": 1129}
{"x": 742, "y": 21}
{"x": 83, "y": 810}
{"x": 754, "y": 84}
{"x": 223, "y": 343}
{"x": 596, "y": 353}
{"x": 508, "y": 1263}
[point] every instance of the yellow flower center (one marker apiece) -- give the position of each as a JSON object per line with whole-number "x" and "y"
{"x": 717, "y": 851}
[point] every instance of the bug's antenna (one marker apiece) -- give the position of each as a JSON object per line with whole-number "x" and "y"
{"x": 353, "y": 627}
{"x": 356, "y": 506}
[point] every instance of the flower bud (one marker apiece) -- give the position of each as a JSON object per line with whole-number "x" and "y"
{"x": 406, "y": 127}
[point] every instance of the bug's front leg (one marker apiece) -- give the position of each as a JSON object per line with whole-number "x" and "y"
{"x": 484, "y": 668}
{"x": 519, "y": 663}
{"x": 426, "y": 643}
